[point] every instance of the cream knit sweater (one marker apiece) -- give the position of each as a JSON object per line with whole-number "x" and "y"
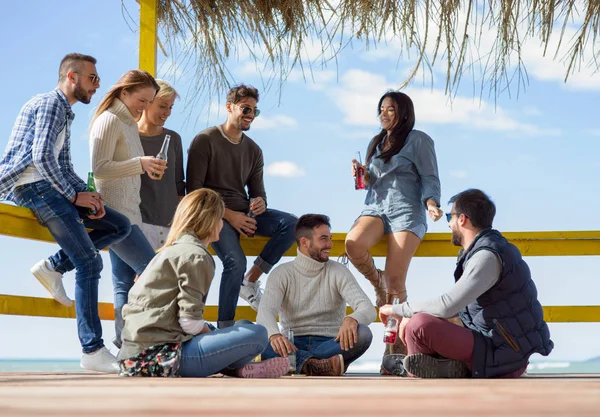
{"x": 116, "y": 152}
{"x": 310, "y": 298}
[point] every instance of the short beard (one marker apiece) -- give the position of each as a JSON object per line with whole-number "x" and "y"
{"x": 316, "y": 254}
{"x": 81, "y": 95}
{"x": 457, "y": 238}
{"x": 243, "y": 129}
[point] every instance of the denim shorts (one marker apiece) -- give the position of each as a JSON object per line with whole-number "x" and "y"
{"x": 397, "y": 223}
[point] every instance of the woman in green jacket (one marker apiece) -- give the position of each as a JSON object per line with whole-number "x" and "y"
{"x": 165, "y": 333}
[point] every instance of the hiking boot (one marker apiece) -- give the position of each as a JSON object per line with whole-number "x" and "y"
{"x": 100, "y": 361}
{"x": 426, "y": 366}
{"x": 52, "y": 281}
{"x": 333, "y": 366}
{"x": 251, "y": 293}
{"x": 393, "y": 364}
{"x": 270, "y": 368}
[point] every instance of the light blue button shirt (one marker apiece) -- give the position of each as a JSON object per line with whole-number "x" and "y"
{"x": 398, "y": 190}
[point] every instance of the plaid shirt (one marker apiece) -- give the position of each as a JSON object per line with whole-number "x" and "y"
{"x": 33, "y": 140}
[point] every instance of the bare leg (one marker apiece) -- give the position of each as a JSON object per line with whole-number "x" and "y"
{"x": 400, "y": 251}
{"x": 365, "y": 233}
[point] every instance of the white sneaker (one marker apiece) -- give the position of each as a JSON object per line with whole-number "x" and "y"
{"x": 100, "y": 361}
{"x": 251, "y": 293}
{"x": 52, "y": 281}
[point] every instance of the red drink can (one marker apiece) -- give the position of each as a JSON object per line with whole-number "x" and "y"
{"x": 359, "y": 183}
{"x": 390, "y": 336}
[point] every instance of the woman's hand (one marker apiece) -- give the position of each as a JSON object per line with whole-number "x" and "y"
{"x": 355, "y": 166}
{"x": 154, "y": 167}
{"x": 435, "y": 213}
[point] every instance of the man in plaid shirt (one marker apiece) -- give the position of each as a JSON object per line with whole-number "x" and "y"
{"x": 36, "y": 172}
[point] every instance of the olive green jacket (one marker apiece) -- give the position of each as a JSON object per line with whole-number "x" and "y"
{"x": 175, "y": 284}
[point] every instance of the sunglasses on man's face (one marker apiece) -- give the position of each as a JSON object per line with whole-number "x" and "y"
{"x": 449, "y": 215}
{"x": 247, "y": 110}
{"x": 93, "y": 77}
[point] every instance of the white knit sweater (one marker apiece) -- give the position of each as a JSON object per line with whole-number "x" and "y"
{"x": 116, "y": 152}
{"x": 310, "y": 298}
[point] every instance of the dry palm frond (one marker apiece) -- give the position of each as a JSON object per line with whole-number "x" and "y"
{"x": 208, "y": 35}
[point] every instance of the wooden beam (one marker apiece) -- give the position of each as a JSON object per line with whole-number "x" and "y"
{"x": 148, "y": 35}
{"x": 46, "y": 307}
{"x": 20, "y": 222}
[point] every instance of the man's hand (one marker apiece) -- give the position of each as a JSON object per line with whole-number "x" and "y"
{"x": 348, "y": 334}
{"x": 402, "y": 329}
{"x": 93, "y": 201}
{"x": 434, "y": 212}
{"x": 258, "y": 206}
{"x": 281, "y": 345}
{"x": 240, "y": 222}
{"x": 385, "y": 312}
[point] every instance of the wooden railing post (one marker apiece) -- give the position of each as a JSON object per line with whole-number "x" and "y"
{"x": 148, "y": 35}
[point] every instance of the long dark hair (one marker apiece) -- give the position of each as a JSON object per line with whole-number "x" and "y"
{"x": 405, "y": 121}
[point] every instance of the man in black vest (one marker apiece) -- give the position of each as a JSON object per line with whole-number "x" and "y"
{"x": 494, "y": 296}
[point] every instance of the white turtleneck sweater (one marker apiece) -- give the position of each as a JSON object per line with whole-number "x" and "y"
{"x": 310, "y": 298}
{"x": 116, "y": 152}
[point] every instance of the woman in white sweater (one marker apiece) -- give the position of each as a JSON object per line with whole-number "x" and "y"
{"x": 118, "y": 161}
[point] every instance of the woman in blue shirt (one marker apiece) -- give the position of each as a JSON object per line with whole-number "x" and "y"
{"x": 402, "y": 183}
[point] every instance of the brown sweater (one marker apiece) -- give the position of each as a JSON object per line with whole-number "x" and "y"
{"x": 228, "y": 168}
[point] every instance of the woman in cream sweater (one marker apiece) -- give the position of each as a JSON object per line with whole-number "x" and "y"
{"x": 118, "y": 161}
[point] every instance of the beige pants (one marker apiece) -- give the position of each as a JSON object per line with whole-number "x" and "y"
{"x": 156, "y": 235}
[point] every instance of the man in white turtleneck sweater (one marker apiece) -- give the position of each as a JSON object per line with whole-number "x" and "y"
{"x": 310, "y": 295}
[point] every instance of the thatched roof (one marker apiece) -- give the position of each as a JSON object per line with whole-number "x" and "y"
{"x": 462, "y": 35}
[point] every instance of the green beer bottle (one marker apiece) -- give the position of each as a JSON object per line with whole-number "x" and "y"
{"x": 91, "y": 185}
{"x": 91, "y": 188}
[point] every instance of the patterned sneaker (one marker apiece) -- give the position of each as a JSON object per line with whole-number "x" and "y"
{"x": 425, "y": 366}
{"x": 52, "y": 281}
{"x": 270, "y": 368}
{"x": 393, "y": 364}
{"x": 333, "y": 366}
{"x": 251, "y": 293}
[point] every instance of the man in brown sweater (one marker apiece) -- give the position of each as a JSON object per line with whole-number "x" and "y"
{"x": 225, "y": 159}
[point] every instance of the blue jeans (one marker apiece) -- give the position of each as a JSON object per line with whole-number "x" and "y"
{"x": 321, "y": 347}
{"x": 233, "y": 347}
{"x": 128, "y": 258}
{"x": 79, "y": 249}
{"x": 277, "y": 225}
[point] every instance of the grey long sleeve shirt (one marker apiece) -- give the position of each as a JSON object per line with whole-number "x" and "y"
{"x": 481, "y": 272}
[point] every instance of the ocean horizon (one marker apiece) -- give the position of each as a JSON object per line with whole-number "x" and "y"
{"x": 358, "y": 367}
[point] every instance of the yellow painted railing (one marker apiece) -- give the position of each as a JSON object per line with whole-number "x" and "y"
{"x": 20, "y": 222}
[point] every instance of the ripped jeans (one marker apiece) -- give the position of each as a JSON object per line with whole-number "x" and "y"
{"x": 67, "y": 224}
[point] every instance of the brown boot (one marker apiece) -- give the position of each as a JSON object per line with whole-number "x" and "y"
{"x": 366, "y": 266}
{"x": 333, "y": 366}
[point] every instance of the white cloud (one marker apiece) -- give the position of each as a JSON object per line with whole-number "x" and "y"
{"x": 170, "y": 70}
{"x": 275, "y": 122}
{"x": 458, "y": 173}
{"x": 359, "y": 92}
{"x": 593, "y": 132}
{"x": 284, "y": 169}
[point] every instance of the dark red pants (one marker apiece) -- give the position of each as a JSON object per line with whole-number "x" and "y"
{"x": 435, "y": 336}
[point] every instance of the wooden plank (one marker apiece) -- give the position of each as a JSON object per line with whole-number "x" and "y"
{"x": 93, "y": 395}
{"x": 148, "y": 35}
{"x": 20, "y": 222}
{"x": 47, "y": 307}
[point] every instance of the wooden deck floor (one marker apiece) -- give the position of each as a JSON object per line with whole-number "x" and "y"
{"x": 84, "y": 394}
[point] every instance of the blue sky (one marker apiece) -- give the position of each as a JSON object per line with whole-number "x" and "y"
{"x": 536, "y": 155}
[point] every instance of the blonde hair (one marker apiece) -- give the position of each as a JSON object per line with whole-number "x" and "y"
{"x": 199, "y": 212}
{"x": 131, "y": 81}
{"x": 166, "y": 90}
